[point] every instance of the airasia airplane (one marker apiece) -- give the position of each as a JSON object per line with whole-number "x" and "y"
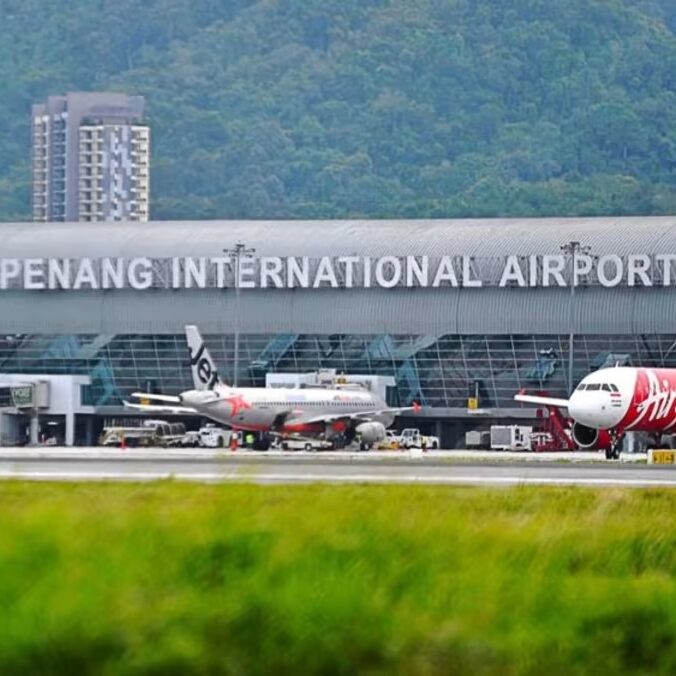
{"x": 339, "y": 414}
{"x": 612, "y": 401}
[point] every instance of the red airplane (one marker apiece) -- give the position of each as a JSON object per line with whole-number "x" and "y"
{"x": 613, "y": 401}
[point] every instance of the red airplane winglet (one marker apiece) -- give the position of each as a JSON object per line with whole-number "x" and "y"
{"x": 416, "y": 407}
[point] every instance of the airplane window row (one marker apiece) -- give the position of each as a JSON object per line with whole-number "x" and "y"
{"x": 307, "y": 403}
{"x": 595, "y": 387}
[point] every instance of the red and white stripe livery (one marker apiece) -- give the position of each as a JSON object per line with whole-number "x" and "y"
{"x": 625, "y": 398}
{"x": 610, "y": 402}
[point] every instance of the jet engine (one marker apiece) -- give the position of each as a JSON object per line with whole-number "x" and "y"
{"x": 590, "y": 438}
{"x": 370, "y": 432}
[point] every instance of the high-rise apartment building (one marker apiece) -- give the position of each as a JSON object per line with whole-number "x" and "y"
{"x": 91, "y": 156}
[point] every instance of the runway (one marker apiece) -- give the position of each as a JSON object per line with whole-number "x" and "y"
{"x": 297, "y": 468}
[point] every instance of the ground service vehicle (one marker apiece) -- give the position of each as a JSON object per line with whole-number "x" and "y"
{"x": 390, "y": 442}
{"x": 147, "y": 433}
{"x": 412, "y": 438}
{"x": 511, "y": 437}
{"x": 291, "y": 444}
{"x": 215, "y": 437}
{"x": 190, "y": 439}
{"x": 478, "y": 439}
{"x": 172, "y": 434}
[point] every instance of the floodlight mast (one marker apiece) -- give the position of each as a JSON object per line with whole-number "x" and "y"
{"x": 572, "y": 249}
{"x": 235, "y": 254}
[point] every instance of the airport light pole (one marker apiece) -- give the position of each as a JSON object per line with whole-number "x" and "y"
{"x": 572, "y": 249}
{"x": 235, "y": 254}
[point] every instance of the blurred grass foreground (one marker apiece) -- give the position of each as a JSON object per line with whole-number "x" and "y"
{"x": 171, "y": 578}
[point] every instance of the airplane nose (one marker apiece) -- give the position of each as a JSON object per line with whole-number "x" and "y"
{"x": 575, "y": 410}
{"x": 595, "y": 409}
{"x": 585, "y": 409}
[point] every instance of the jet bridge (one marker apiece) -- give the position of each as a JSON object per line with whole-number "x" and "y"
{"x": 38, "y": 409}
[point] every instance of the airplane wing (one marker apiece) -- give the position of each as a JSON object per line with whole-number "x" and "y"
{"x": 542, "y": 401}
{"x": 357, "y": 415}
{"x": 154, "y": 408}
{"x": 157, "y": 397}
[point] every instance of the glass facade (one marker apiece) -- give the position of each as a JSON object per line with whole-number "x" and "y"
{"x": 437, "y": 371}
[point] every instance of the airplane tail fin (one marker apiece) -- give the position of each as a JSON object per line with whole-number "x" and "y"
{"x": 203, "y": 367}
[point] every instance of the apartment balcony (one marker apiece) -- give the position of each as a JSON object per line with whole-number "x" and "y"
{"x": 96, "y": 214}
{"x": 87, "y": 198}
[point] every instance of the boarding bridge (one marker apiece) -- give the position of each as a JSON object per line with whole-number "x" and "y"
{"x": 37, "y": 409}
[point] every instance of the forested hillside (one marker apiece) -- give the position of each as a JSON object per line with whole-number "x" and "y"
{"x": 354, "y": 108}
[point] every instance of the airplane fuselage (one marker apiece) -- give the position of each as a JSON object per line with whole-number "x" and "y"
{"x": 626, "y": 399}
{"x": 343, "y": 413}
{"x": 282, "y": 409}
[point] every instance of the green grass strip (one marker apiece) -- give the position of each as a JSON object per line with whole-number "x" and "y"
{"x": 173, "y": 578}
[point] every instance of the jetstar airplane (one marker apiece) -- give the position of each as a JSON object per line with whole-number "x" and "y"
{"x": 613, "y": 401}
{"x": 339, "y": 414}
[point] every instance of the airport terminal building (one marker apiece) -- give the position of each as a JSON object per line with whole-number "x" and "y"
{"x": 455, "y": 310}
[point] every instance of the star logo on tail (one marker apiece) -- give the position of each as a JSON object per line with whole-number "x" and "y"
{"x": 238, "y": 403}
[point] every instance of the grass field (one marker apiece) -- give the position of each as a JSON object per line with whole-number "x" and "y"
{"x": 233, "y": 579}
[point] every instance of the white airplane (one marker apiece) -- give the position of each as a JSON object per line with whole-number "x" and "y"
{"x": 339, "y": 414}
{"x": 610, "y": 402}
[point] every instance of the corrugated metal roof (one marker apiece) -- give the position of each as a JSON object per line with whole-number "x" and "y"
{"x": 414, "y": 311}
{"x": 475, "y": 237}
{"x": 351, "y": 311}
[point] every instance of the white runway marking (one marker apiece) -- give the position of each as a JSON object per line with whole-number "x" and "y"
{"x": 267, "y": 477}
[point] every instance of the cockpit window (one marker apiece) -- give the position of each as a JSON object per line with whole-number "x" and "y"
{"x": 593, "y": 386}
{"x": 613, "y": 388}
{"x": 581, "y": 386}
{"x": 605, "y": 387}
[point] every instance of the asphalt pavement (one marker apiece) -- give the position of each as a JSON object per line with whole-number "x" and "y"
{"x": 434, "y": 468}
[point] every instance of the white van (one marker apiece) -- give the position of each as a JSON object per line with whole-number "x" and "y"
{"x": 216, "y": 437}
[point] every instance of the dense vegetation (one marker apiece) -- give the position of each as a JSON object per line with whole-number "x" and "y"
{"x": 177, "y": 579}
{"x": 380, "y": 108}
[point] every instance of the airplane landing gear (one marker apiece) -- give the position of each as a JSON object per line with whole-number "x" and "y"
{"x": 613, "y": 451}
{"x": 262, "y": 442}
{"x": 338, "y": 442}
